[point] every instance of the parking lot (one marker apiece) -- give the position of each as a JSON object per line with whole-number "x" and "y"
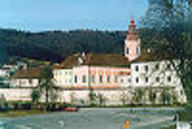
{"x": 93, "y": 118}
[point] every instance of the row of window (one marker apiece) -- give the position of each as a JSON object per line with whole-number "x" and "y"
{"x": 25, "y": 82}
{"x": 63, "y": 73}
{"x": 157, "y": 79}
{"x": 147, "y": 68}
{"x": 137, "y": 50}
{"x": 124, "y": 81}
{"x": 84, "y": 79}
{"x": 64, "y": 81}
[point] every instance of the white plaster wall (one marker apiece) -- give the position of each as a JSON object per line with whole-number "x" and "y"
{"x": 112, "y": 97}
{"x": 125, "y": 80}
{"x": 14, "y": 94}
{"x": 24, "y": 82}
{"x": 63, "y": 77}
{"x": 163, "y": 73}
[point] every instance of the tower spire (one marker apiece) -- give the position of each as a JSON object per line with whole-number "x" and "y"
{"x": 132, "y": 33}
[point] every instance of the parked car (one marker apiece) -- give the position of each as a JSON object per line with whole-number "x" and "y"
{"x": 71, "y": 109}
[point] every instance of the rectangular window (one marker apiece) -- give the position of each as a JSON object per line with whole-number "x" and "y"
{"x": 93, "y": 78}
{"x": 169, "y": 79}
{"x": 146, "y": 79}
{"x": 84, "y": 79}
{"x": 157, "y": 66}
{"x": 137, "y": 68}
{"x": 146, "y": 68}
{"x": 116, "y": 79}
{"x": 30, "y": 81}
{"x": 127, "y": 50}
{"x": 137, "y": 80}
{"x": 168, "y": 66}
{"x": 108, "y": 79}
{"x": 137, "y": 50}
{"x": 157, "y": 79}
{"x": 75, "y": 79}
{"x": 100, "y": 78}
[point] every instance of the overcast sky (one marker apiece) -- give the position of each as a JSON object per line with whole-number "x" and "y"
{"x": 43, "y": 15}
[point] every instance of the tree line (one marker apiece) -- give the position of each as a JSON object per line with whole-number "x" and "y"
{"x": 55, "y": 46}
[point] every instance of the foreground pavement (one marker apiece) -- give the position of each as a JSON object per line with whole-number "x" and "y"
{"x": 96, "y": 118}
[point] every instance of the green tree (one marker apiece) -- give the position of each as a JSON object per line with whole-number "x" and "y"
{"x": 152, "y": 96}
{"x": 165, "y": 96}
{"x": 46, "y": 87}
{"x": 3, "y": 103}
{"x": 4, "y": 82}
{"x": 138, "y": 95}
{"x": 92, "y": 97}
{"x": 123, "y": 98}
{"x": 101, "y": 99}
{"x": 35, "y": 96}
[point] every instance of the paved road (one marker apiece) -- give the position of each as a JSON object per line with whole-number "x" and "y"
{"x": 96, "y": 119}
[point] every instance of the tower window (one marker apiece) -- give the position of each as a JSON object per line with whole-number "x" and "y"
{"x": 146, "y": 79}
{"x": 137, "y": 50}
{"x": 127, "y": 50}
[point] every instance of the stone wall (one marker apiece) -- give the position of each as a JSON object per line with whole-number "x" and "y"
{"x": 82, "y": 97}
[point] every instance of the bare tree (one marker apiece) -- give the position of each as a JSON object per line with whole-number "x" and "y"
{"x": 169, "y": 21}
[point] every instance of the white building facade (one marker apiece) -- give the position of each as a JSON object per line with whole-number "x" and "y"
{"x": 156, "y": 74}
{"x": 24, "y": 82}
{"x": 63, "y": 77}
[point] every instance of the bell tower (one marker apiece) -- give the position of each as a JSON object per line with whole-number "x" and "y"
{"x": 132, "y": 48}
